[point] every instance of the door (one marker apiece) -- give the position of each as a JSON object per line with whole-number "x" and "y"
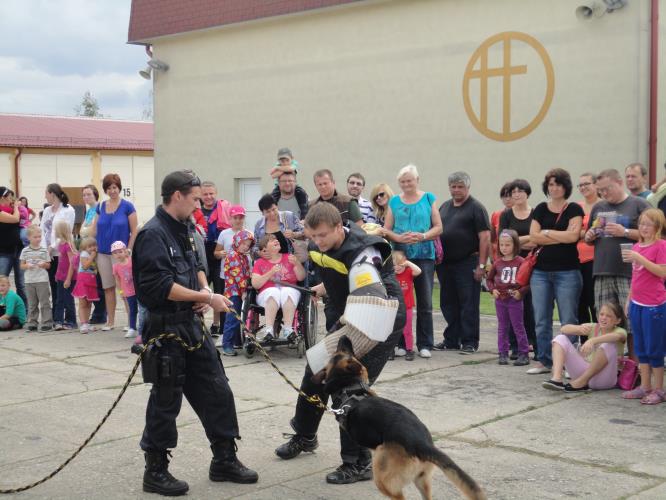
{"x": 249, "y": 193}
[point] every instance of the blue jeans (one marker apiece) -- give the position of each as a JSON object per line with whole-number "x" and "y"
{"x": 65, "y": 312}
{"x": 459, "y": 300}
{"x": 547, "y": 288}
{"x": 132, "y": 305}
{"x": 231, "y": 324}
{"x": 9, "y": 262}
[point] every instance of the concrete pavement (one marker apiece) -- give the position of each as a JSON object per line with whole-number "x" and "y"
{"x": 515, "y": 438}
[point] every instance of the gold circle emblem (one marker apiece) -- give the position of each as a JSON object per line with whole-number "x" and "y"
{"x": 506, "y": 71}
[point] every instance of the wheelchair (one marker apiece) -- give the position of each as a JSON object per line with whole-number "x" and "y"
{"x": 305, "y": 323}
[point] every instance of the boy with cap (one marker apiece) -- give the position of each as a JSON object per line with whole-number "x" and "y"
{"x": 288, "y": 195}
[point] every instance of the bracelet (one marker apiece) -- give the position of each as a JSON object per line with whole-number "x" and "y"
{"x": 210, "y": 296}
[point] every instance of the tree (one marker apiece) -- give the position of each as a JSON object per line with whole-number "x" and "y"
{"x": 88, "y": 106}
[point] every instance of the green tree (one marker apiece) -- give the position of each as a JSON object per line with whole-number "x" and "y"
{"x": 88, "y": 106}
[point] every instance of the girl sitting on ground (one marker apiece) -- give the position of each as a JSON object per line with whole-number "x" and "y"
{"x": 647, "y": 306}
{"x": 267, "y": 271}
{"x": 595, "y": 365}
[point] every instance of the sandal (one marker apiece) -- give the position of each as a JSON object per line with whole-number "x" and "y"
{"x": 637, "y": 393}
{"x": 654, "y": 398}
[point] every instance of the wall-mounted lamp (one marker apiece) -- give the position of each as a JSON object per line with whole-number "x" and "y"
{"x": 145, "y": 73}
{"x": 596, "y": 9}
{"x": 158, "y": 65}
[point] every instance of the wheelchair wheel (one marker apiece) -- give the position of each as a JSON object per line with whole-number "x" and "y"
{"x": 310, "y": 323}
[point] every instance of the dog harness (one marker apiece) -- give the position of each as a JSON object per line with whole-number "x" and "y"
{"x": 348, "y": 398}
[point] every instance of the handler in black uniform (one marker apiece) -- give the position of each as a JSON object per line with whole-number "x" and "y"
{"x": 335, "y": 250}
{"x": 170, "y": 282}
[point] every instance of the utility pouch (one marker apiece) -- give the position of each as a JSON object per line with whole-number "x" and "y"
{"x": 150, "y": 365}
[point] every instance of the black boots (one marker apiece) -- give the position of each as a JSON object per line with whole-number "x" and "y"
{"x": 157, "y": 479}
{"x": 225, "y": 466}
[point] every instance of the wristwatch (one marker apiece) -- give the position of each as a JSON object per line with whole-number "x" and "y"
{"x": 626, "y": 232}
{"x": 482, "y": 266}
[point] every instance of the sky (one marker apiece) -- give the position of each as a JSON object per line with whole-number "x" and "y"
{"x": 53, "y": 51}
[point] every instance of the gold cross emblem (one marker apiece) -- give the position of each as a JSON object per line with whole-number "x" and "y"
{"x": 506, "y": 71}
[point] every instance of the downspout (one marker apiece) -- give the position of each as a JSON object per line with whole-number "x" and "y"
{"x": 654, "y": 94}
{"x": 17, "y": 156}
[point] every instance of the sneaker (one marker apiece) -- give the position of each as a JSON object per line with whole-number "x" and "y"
{"x": 425, "y": 353}
{"x": 468, "y": 349}
{"x": 131, "y": 333}
{"x": 443, "y": 347}
{"x": 31, "y": 329}
{"x": 215, "y": 330}
{"x": 553, "y": 385}
{"x": 538, "y": 370}
{"x": 84, "y": 328}
{"x": 47, "y": 328}
{"x": 399, "y": 352}
{"x": 503, "y": 359}
{"x": 229, "y": 351}
{"x": 569, "y": 388}
{"x": 57, "y": 327}
{"x": 349, "y": 473}
{"x": 107, "y": 328}
{"x": 296, "y": 445}
{"x": 522, "y": 360}
{"x": 409, "y": 355}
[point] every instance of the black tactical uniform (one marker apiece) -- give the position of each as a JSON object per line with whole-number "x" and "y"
{"x": 333, "y": 271}
{"x": 165, "y": 254}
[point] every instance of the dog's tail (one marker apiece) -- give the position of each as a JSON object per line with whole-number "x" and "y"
{"x": 456, "y": 475}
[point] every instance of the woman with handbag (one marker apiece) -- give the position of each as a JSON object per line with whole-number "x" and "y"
{"x": 595, "y": 364}
{"x": 556, "y": 275}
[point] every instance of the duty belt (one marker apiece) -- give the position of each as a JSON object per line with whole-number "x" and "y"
{"x": 173, "y": 318}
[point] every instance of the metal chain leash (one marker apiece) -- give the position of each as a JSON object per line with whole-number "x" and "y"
{"x": 314, "y": 400}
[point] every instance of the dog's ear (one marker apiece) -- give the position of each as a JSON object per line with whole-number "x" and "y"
{"x": 319, "y": 377}
{"x": 345, "y": 345}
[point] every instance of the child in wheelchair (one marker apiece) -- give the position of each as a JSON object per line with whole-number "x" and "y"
{"x": 269, "y": 272}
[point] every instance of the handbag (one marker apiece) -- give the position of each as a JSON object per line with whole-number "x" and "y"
{"x": 439, "y": 251}
{"x": 527, "y": 266}
{"x": 627, "y": 378}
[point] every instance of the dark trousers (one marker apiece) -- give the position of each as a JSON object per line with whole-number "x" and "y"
{"x": 206, "y": 388}
{"x": 459, "y": 300}
{"x": 98, "y": 316}
{"x": 423, "y": 285}
{"x": 586, "y": 310}
{"x": 54, "y": 285}
{"x": 65, "y": 311}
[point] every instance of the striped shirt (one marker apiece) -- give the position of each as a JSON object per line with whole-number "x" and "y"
{"x": 35, "y": 256}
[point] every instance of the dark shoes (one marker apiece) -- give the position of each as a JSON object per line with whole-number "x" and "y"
{"x": 521, "y": 360}
{"x": 468, "y": 349}
{"x": 350, "y": 473}
{"x": 443, "y": 347}
{"x": 503, "y": 359}
{"x": 513, "y": 356}
{"x": 553, "y": 385}
{"x": 409, "y": 356}
{"x": 215, "y": 330}
{"x": 569, "y": 388}
{"x": 225, "y": 465}
{"x": 157, "y": 479}
{"x": 296, "y": 444}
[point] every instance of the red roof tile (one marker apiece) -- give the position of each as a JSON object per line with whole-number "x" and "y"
{"x": 74, "y": 132}
{"x": 153, "y": 18}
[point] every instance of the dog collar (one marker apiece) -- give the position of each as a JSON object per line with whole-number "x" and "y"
{"x": 347, "y": 400}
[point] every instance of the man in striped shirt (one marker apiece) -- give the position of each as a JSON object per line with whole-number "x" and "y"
{"x": 355, "y": 185}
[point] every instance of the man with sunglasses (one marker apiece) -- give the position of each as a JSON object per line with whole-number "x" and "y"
{"x": 171, "y": 284}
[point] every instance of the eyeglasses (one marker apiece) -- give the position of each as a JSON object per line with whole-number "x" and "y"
{"x": 584, "y": 184}
{"x": 380, "y": 195}
{"x": 355, "y": 183}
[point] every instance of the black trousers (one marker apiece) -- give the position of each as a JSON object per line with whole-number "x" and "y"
{"x": 307, "y": 417}
{"x": 207, "y": 390}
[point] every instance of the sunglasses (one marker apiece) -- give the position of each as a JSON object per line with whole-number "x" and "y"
{"x": 194, "y": 181}
{"x": 380, "y": 195}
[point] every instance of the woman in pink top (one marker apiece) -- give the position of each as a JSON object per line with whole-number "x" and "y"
{"x": 647, "y": 306}
{"x": 267, "y": 274}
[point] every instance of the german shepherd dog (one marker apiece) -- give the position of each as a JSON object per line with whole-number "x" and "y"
{"x": 403, "y": 449}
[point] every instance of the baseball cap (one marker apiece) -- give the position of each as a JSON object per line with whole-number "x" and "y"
{"x": 284, "y": 153}
{"x": 236, "y": 210}
{"x": 117, "y": 245}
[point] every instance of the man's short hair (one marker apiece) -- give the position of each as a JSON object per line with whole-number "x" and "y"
{"x": 457, "y": 177}
{"x": 208, "y": 184}
{"x": 284, "y": 174}
{"x": 323, "y": 173}
{"x": 610, "y": 173}
{"x": 322, "y": 213}
{"x": 180, "y": 180}
{"x": 643, "y": 168}
{"x": 358, "y": 176}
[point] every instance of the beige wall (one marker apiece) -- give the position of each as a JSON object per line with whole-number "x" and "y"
{"x": 375, "y": 85}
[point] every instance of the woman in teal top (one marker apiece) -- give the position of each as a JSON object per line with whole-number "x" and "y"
{"x": 412, "y": 222}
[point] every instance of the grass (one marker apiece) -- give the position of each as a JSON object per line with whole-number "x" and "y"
{"x": 487, "y": 303}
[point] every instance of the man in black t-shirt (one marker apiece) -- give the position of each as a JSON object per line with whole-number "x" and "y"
{"x": 466, "y": 244}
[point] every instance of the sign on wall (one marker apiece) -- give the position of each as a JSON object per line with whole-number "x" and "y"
{"x": 494, "y": 114}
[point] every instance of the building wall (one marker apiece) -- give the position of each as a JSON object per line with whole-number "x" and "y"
{"x": 76, "y": 168}
{"x": 375, "y": 85}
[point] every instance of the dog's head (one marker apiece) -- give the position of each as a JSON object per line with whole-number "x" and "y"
{"x": 342, "y": 370}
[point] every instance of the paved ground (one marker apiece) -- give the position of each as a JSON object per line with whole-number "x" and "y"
{"x": 516, "y": 439}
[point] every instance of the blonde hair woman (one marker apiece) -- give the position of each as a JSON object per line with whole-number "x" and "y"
{"x": 379, "y": 197}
